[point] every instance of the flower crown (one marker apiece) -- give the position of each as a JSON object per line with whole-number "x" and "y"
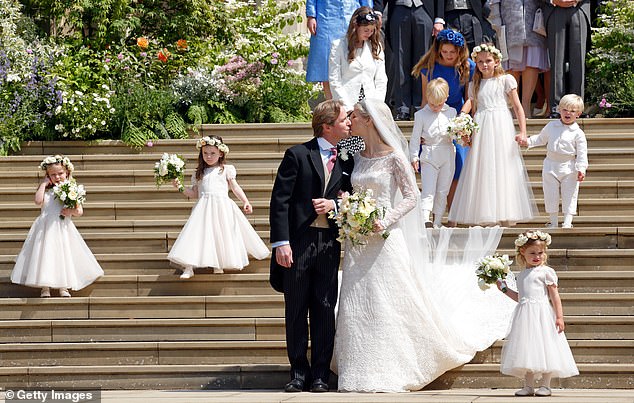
{"x": 451, "y": 36}
{"x": 212, "y": 141}
{"x": 369, "y": 18}
{"x": 486, "y": 48}
{"x": 534, "y": 235}
{"x": 57, "y": 159}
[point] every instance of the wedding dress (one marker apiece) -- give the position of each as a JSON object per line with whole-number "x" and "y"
{"x": 409, "y": 305}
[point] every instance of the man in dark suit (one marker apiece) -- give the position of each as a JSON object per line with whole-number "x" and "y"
{"x": 568, "y": 32}
{"x": 409, "y": 27}
{"x": 306, "y": 252}
{"x": 469, "y": 17}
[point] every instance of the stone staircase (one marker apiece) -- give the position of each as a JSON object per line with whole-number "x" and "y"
{"x": 140, "y": 326}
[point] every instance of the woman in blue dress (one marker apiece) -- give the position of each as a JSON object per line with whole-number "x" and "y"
{"x": 448, "y": 58}
{"x": 326, "y": 20}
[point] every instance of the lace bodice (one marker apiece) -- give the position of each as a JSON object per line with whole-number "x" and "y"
{"x": 389, "y": 177}
{"x": 493, "y": 92}
{"x": 215, "y": 181}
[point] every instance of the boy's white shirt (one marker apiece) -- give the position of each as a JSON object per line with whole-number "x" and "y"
{"x": 564, "y": 140}
{"x": 432, "y": 126}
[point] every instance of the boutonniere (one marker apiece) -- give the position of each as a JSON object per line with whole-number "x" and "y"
{"x": 344, "y": 154}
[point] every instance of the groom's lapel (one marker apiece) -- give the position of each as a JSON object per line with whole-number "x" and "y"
{"x": 335, "y": 175}
{"x": 315, "y": 158}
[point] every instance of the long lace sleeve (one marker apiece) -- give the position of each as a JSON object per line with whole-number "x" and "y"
{"x": 403, "y": 174}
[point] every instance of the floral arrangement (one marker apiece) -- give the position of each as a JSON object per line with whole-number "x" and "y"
{"x": 486, "y": 48}
{"x": 451, "y": 36}
{"x": 212, "y": 141}
{"x": 70, "y": 194}
{"x": 535, "y": 235}
{"x": 169, "y": 167}
{"x": 492, "y": 268}
{"x": 57, "y": 159}
{"x": 462, "y": 127}
{"x": 356, "y": 216}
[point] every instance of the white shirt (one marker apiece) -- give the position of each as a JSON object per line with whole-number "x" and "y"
{"x": 431, "y": 126}
{"x": 564, "y": 140}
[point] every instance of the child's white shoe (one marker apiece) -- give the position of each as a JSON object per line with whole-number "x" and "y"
{"x": 543, "y": 391}
{"x": 45, "y": 293}
{"x": 188, "y": 272}
{"x": 218, "y": 270}
{"x": 551, "y": 225}
{"x": 63, "y": 292}
{"x": 566, "y": 226}
{"x": 525, "y": 391}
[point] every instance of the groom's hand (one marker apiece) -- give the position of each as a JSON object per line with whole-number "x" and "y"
{"x": 323, "y": 206}
{"x": 284, "y": 256}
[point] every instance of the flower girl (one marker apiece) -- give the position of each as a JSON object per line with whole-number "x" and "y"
{"x": 216, "y": 234}
{"x": 536, "y": 344}
{"x": 493, "y": 187}
{"x": 54, "y": 254}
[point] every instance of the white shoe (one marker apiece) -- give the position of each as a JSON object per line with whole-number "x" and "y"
{"x": 541, "y": 112}
{"x": 525, "y": 391}
{"x": 543, "y": 391}
{"x": 188, "y": 272}
{"x": 218, "y": 270}
{"x": 63, "y": 292}
{"x": 551, "y": 225}
{"x": 566, "y": 226}
{"x": 45, "y": 293}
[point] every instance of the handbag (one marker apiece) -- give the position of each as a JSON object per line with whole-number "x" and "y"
{"x": 538, "y": 23}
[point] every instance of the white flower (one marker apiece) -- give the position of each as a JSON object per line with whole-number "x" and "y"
{"x": 344, "y": 154}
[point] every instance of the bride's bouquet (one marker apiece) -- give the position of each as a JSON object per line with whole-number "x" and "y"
{"x": 461, "y": 129}
{"x": 168, "y": 168}
{"x": 493, "y": 268}
{"x": 70, "y": 194}
{"x": 356, "y": 215}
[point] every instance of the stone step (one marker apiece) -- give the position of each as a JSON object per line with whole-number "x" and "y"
{"x": 260, "y": 190}
{"x": 236, "y": 306}
{"x": 241, "y": 353}
{"x": 275, "y": 376}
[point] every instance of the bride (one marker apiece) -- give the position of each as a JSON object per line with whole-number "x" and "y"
{"x": 409, "y": 306}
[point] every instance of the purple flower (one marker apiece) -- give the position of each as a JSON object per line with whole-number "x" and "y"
{"x": 604, "y": 103}
{"x": 120, "y": 56}
{"x": 149, "y": 143}
{"x": 107, "y": 60}
{"x": 273, "y": 61}
{"x": 29, "y": 51}
{"x": 275, "y": 55}
{"x": 289, "y": 63}
{"x": 143, "y": 54}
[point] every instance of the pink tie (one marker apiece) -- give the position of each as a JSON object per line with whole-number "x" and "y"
{"x": 332, "y": 159}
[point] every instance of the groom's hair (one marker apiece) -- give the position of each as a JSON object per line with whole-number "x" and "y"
{"x": 326, "y": 113}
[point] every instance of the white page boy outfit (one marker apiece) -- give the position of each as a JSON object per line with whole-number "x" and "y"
{"x": 567, "y": 154}
{"x": 437, "y": 158}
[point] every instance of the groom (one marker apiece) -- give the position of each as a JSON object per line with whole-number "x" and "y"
{"x": 306, "y": 252}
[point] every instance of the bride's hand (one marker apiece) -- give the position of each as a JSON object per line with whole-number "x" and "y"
{"x": 377, "y": 226}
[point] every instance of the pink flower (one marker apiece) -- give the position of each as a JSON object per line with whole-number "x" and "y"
{"x": 275, "y": 55}
{"x": 149, "y": 143}
{"x": 120, "y": 56}
{"x": 604, "y": 103}
{"x": 289, "y": 63}
{"x": 107, "y": 60}
{"x": 143, "y": 54}
{"x": 273, "y": 61}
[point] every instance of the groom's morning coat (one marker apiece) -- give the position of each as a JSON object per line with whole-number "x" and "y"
{"x": 300, "y": 179}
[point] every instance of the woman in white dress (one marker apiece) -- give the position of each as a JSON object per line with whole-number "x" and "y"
{"x": 356, "y": 67}
{"x": 407, "y": 311}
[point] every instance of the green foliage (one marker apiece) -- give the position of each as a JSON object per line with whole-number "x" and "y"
{"x": 611, "y": 61}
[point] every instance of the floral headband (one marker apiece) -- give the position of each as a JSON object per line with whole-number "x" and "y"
{"x": 57, "y": 159}
{"x": 451, "y": 36}
{"x": 369, "y": 18}
{"x": 212, "y": 141}
{"x": 534, "y": 235}
{"x": 486, "y": 48}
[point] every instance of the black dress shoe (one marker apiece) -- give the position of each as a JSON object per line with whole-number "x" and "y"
{"x": 402, "y": 116}
{"x": 296, "y": 385}
{"x": 319, "y": 386}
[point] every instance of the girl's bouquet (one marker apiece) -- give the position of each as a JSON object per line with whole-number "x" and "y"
{"x": 168, "y": 168}
{"x": 356, "y": 215}
{"x": 462, "y": 128}
{"x": 70, "y": 193}
{"x": 491, "y": 269}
